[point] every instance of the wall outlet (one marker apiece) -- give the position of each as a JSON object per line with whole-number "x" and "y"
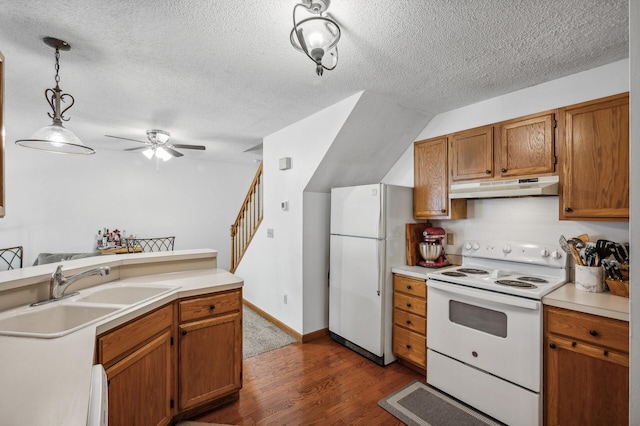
{"x": 285, "y": 299}
{"x": 451, "y": 239}
{"x": 269, "y": 232}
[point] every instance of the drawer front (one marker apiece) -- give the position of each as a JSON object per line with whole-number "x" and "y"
{"x": 118, "y": 343}
{"x": 410, "y": 304}
{"x": 410, "y": 346}
{"x": 411, "y": 286}
{"x": 208, "y": 306}
{"x": 411, "y": 321}
{"x": 594, "y": 329}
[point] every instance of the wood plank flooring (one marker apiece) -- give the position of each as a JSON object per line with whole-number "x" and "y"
{"x": 320, "y": 382}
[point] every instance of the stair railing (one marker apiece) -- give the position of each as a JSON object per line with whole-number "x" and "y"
{"x": 248, "y": 220}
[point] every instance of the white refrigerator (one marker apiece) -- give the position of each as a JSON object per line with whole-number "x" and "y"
{"x": 367, "y": 239}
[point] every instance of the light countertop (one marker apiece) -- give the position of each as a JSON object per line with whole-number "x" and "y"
{"x": 419, "y": 272}
{"x": 47, "y": 381}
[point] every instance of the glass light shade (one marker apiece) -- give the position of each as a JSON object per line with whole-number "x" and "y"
{"x": 162, "y": 154}
{"x": 57, "y": 139}
{"x": 148, "y": 153}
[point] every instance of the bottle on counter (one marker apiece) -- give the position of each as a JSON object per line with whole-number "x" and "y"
{"x": 99, "y": 239}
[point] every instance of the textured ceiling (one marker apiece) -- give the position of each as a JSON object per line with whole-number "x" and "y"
{"x": 223, "y": 73}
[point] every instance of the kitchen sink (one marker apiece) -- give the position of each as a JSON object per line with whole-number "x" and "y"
{"x": 122, "y": 294}
{"x": 54, "y": 320}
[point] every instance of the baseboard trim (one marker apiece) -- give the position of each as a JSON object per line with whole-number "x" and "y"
{"x": 299, "y": 337}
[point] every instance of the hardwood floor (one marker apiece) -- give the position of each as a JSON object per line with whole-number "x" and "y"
{"x": 320, "y": 382}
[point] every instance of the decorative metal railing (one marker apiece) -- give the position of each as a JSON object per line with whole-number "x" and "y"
{"x": 248, "y": 220}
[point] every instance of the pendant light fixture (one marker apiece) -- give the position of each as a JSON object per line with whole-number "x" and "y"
{"x": 316, "y": 36}
{"x": 55, "y": 137}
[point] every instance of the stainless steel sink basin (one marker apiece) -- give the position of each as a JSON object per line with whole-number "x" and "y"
{"x": 122, "y": 295}
{"x": 53, "y": 321}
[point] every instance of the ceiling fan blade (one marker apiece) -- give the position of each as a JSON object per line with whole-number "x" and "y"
{"x": 126, "y": 139}
{"x": 183, "y": 146}
{"x": 138, "y": 148}
{"x": 172, "y": 151}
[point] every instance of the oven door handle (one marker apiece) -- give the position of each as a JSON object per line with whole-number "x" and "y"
{"x": 485, "y": 295}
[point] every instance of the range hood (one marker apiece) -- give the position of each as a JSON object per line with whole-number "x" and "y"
{"x": 544, "y": 185}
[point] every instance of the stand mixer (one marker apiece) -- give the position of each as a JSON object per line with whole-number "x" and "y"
{"x": 432, "y": 248}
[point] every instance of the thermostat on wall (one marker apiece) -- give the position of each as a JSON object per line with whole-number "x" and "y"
{"x": 285, "y": 163}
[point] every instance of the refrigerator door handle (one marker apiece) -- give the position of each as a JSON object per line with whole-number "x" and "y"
{"x": 380, "y": 265}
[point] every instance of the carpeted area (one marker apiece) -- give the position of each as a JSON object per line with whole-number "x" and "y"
{"x": 417, "y": 404}
{"x": 260, "y": 335}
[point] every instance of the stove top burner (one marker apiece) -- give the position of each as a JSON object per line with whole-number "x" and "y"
{"x": 514, "y": 283}
{"x": 472, "y": 271}
{"x": 534, "y": 280}
{"x": 454, "y": 274}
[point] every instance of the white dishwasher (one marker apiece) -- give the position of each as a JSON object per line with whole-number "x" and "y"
{"x": 98, "y": 398}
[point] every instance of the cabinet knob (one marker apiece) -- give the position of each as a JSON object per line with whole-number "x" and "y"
{"x": 593, "y": 332}
{"x": 408, "y": 346}
{"x": 606, "y": 353}
{"x": 503, "y": 170}
{"x": 212, "y": 307}
{"x": 552, "y": 345}
{"x": 443, "y": 211}
{"x": 408, "y": 321}
{"x": 408, "y": 286}
{"x": 408, "y": 305}
{"x": 184, "y": 333}
{"x": 573, "y": 344}
{"x": 488, "y": 172}
{"x": 475, "y": 354}
{"x": 568, "y": 209}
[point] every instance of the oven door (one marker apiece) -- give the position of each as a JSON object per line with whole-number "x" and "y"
{"x": 497, "y": 333}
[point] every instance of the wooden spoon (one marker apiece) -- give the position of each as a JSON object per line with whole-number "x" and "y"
{"x": 583, "y": 237}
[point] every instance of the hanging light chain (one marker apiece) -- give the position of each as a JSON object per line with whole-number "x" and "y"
{"x": 57, "y": 66}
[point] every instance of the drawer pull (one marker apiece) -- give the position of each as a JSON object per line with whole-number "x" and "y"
{"x": 593, "y": 332}
{"x": 573, "y": 344}
{"x": 408, "y": 346}
{"x": 552, "y": 345}
{"x": 408, "y": 305}
{"x": 488, "y": 172}
{"x": 408, "y": 286}
{"x": 568, "y": 209}
{"x": 443, "y": 211}
{"x": 212, "y": 307}
{"x": 408, "y": 321}
{"x": 606, "y": 353}
{"x": 184, "y": 333}
{"x": 503, "y": 170}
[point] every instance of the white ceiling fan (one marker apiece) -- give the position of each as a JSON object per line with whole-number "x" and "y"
{"x": 158, "y": 145}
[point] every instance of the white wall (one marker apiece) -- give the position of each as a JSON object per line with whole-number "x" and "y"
{"x": 57, "y": 203}
{"x": 273, "y": 267}
{"x": 534, "y": 219}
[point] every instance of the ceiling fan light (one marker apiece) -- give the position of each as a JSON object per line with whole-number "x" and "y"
{"x": 57, "y": 139}
{"x": 148, "y": 153}
{"x": 159, "y": 136}
{"x": 162, "y": 154}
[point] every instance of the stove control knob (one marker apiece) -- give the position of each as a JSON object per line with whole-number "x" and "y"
{"x": 544, "y": 252}
{"x": 476, "y": 246}
{"x": 506, "y": 249}
{"x": 556, "y": 254}
{"x": 467, "y": 246}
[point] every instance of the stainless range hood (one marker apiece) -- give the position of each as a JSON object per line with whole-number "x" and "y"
{"x": 544, "y": 185}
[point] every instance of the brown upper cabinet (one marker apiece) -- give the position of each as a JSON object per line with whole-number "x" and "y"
{"x": 595, "y": 159}
{"x": 431, "y": 182}
{"x": 1, "y": 135}
{"x": 520, "y": 147}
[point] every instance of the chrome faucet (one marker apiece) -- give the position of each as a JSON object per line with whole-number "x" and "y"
{"x": 59, "y": 283}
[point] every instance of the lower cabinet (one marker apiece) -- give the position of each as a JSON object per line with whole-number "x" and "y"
{"x": 409, "y": 321}
{"x": 586, "y": 369}
{"x": 138, "y": 360}
{"x": 210, "y": 348}
{"x": 155, "y": 378}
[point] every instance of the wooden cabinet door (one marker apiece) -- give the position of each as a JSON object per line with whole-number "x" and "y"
{"x": 140, "y": 385}
{"x": 1, "y": 135}
{"x": 209, "y": 358}
{"x": 471, "y": 154}
{"x": 431, "y": 183}
{"x": 595, "y": 159}
{"x": 526, "y": 146}
{"x": 585, "y": 384}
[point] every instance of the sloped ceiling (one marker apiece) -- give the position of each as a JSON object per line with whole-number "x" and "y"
{"x": 223, "y": 73}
